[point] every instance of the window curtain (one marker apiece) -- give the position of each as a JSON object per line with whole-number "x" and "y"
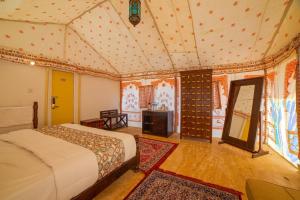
{"x": 145, "y": 95}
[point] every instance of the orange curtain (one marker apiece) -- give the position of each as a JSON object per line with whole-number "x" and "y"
{"x": 145, "y": 95}
{"x": 216, "y": 95}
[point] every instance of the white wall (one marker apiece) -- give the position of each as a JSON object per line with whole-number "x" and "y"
{"x": 21, "y": 85}
{"x": 98, "y": 94}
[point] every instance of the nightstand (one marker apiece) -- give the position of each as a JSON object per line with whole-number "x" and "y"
{"x": 95, "y": 123}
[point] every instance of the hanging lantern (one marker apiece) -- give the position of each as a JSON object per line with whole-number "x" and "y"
{"x": 134, "y": 12}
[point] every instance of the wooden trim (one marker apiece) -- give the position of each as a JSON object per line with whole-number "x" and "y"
{"x": 279, "y": 26}
{"x": 157, "y": 29}
{"x": 85, "y": 12}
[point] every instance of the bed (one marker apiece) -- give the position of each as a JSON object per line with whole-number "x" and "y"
{"x": 69, "y": 161}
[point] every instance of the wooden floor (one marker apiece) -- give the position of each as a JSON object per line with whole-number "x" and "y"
{"x": 223, "y": 164}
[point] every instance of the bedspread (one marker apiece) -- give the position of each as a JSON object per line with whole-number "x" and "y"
{"x": 109, "y": 151}
{"x": 36, "y": 166}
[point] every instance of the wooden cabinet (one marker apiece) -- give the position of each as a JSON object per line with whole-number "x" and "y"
{"x": 158, "y": 123}
{"x": 196, "y": 104}
{"x": 95, "y": 123}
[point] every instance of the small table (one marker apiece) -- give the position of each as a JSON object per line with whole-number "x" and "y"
{"x": 113, "y": 119}
{"x": 121, "y": 121}
{"x": 95, "y": 123}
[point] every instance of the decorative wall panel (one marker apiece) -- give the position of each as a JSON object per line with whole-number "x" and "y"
{"x": 163, "y": 93}
{"x": 281, "y": 109}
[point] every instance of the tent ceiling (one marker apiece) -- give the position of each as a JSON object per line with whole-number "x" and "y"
{"x": 172, "y": 35}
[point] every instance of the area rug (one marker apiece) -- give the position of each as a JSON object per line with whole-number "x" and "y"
{"x": 153, "y": 153}
{"x": 163, "y": 185}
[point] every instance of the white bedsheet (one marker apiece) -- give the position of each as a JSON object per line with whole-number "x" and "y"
{"x": 38, "y": 166}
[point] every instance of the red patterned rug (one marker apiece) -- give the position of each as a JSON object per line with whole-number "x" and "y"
{"x": 166, "y": 185}
{"x": 153, "y": 153}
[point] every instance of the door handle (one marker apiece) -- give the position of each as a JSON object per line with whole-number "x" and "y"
{"x": 53, "y": 102}
{"x": 54, "y": 106}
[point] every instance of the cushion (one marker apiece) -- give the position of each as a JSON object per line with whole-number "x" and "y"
{"x": 261, "y": 190}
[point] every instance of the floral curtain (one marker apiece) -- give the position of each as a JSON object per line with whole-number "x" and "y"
{"x": 145, "y": 95}
{"x": 216, "y": 95}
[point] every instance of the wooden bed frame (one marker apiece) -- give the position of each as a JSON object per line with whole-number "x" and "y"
{"x": 102, "y": 183}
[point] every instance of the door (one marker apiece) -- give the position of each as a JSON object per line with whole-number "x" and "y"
{"x": 62, "y": 97}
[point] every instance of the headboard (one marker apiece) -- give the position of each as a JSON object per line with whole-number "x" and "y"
{"x": 18, "y": 117}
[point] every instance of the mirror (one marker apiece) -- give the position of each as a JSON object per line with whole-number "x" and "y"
{"x": 242, "y": 115}
{"x": 242, "y": 112}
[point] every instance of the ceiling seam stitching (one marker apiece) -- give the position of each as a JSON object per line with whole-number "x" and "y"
{"x": 194, "y": 33}
{"x": 278, "y": 28}
{"x": 32, "y": 22}
{"x": 157, "y": 29}
{"x": 84, "y": 12}
{"x": 132, "y": 35}
{"x": 86, "y": 42}
{"x": 259, "y": 28}
{"x": 177, "y": 23}
{"x": 65, "y": 42}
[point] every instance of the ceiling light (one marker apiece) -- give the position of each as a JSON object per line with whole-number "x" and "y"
{"x": 134, "y": 12}
{"x": 32, "y": 63}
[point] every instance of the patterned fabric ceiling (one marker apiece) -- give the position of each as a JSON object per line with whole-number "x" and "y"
{"x": 173, "y": 35}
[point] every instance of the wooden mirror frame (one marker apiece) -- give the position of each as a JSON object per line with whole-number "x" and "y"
{"x": 248, "y": 145}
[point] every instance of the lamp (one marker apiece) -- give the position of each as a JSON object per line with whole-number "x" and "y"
{"x": 134, "y": 12}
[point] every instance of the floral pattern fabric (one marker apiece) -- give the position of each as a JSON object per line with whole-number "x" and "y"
{"x": 109, "y": 151}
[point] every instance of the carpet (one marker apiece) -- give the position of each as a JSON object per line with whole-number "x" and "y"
{"x": 153, "y": 153}
{"x": 164, "y": 185}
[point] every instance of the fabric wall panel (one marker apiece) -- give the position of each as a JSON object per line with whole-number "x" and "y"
{"x": 164, "y": 93}
{"x": 281, "y": 110}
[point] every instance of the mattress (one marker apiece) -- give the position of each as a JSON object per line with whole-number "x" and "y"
{"x": 35, "y": 164}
